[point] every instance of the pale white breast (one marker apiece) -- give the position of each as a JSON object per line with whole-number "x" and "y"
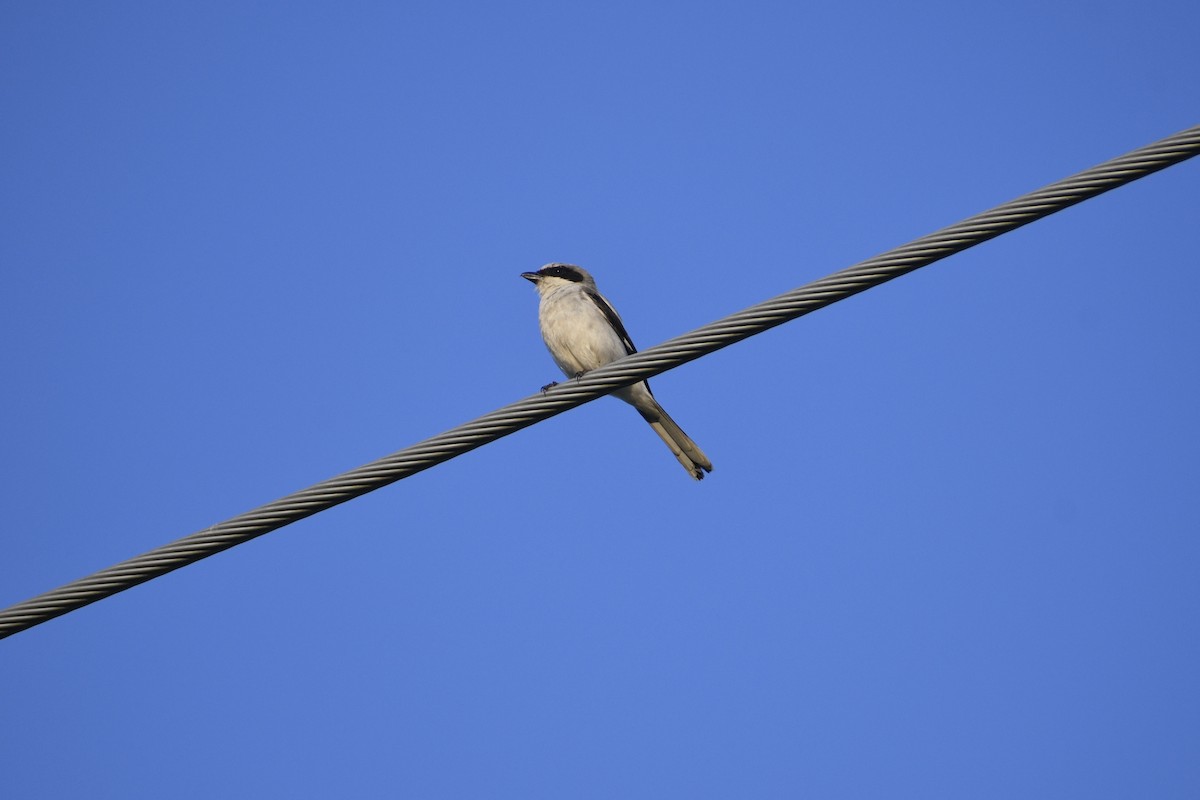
{"x": 576, "y": 332}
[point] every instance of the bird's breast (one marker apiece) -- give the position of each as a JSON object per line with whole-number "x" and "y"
{"x": 577, "y": 334}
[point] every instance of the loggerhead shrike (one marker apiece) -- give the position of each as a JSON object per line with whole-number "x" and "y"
{"x": 583, "y": 332}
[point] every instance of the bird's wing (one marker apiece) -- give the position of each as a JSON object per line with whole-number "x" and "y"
{"x": 611, "y": 315}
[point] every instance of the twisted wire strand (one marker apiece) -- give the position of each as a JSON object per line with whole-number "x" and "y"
{"x": 648, "y": 363}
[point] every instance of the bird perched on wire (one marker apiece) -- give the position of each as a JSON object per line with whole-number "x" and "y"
{"x": 583, "y": 332}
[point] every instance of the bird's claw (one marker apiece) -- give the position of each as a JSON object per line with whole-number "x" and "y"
{"x": 549, "y": 386}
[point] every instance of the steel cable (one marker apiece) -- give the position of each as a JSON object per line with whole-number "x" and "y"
{"x": 569, "y": 394}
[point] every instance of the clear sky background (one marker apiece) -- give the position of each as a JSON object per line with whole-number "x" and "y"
{"x": 951, "y": 544}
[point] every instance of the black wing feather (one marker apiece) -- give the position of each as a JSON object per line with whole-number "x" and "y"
{"x": 611, "y": 315}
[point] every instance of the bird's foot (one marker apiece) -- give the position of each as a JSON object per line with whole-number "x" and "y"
{"x": 549, "y": 386}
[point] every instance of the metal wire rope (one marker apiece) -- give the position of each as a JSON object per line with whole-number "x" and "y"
{"x": 568, "y": 395}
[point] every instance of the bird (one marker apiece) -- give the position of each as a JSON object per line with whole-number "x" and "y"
{"x": 582, "y": 331}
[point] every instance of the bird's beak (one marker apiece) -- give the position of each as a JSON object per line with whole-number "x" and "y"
{"x": 531, "y": 276}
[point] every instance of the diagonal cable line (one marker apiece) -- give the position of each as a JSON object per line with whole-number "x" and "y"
{"x": 646, "y": 364}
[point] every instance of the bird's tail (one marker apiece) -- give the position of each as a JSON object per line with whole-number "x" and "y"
{"x": 690, "y": 456}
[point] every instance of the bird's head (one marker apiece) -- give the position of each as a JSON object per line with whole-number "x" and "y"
{"x": 553, "y": 276}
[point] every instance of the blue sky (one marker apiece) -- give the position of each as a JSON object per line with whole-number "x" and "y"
{"x": 949, "y": 548}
